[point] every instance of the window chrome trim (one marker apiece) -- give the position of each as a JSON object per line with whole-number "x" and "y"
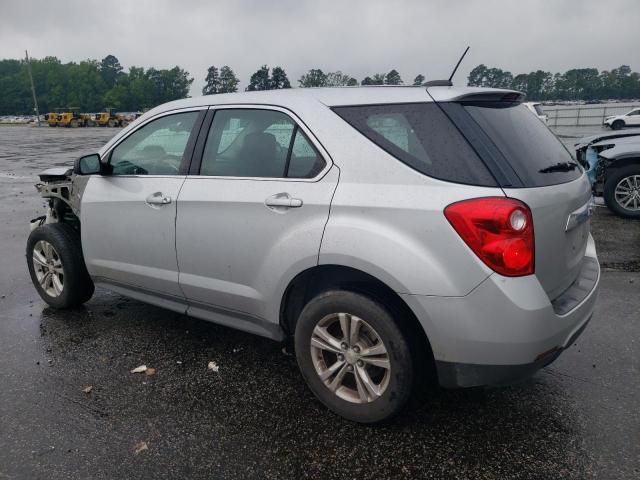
{"x": 297, "y": 121}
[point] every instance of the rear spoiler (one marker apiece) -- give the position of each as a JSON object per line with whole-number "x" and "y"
{"x": 484, "y": 97}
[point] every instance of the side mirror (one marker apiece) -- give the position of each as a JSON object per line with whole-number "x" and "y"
{"x": 88, "y": 165}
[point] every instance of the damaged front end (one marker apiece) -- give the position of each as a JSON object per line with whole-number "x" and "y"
{"x": 63, "y": 191}
{"x": 589, "y": 152}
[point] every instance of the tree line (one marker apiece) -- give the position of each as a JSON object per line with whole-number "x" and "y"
{"x": 575, "y": 84}
{"x": 93, "y": 85}
{"x": 89, "y": 85}
{"x": 265, "y": 78}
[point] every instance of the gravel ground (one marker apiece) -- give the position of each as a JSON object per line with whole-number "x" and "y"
{"x": 576, "y": 419}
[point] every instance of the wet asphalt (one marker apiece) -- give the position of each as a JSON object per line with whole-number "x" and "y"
{"x": 578, "y": 418}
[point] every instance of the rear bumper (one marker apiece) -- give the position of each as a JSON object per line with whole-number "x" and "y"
{"x": 459, "y": 375}
{"x": 506, "y": 328}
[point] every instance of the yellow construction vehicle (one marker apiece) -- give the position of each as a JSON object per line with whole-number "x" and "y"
{"x": 107, "y": 118}
{"x": 52, "y": 119}
{"x": 70, "y": 118}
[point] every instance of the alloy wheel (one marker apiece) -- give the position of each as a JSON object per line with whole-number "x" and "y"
{"x": 350, "y": 358}
{"x": 627, "y": 193}
{"x": 48, "y": 268}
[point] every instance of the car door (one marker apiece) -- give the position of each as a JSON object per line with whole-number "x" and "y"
{"x": 252, "y": 214}
{"x": 128, "y": 214}
{"x": 633, "y": 118}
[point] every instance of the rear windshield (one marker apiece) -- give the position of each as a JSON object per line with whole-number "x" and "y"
{"x": 421, "y": 136}
{"x": 524, "y": 144}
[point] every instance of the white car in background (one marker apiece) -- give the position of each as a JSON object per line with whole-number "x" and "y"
{"x": 616, "y": 122}
{"x": 536, "y": 109}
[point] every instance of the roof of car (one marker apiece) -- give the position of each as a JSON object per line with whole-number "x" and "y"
{"x": 331, "y": 96}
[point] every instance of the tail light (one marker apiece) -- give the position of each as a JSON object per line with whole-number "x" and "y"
{"x": 499, "y": 230}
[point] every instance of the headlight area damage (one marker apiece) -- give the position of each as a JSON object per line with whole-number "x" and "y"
{"x": 63, "y": 190}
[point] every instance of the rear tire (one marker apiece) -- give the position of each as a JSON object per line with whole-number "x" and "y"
{"x": 621, "y": 187}
{"x": 365, "y": 375}
{"x": 56, "y": 266}
{"x": 617, "y": 125}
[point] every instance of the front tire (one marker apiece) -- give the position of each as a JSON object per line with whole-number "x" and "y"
{"x": 56, "y": 266}
{"x": 617, "y": 125}
{"x": 622, "y": 191}
{"x": 353, "y": 356}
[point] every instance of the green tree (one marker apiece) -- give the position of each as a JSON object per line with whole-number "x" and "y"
{"x": 313, "y": 78}
{"x": 279, "y": 79}
{"x": 481, "y": 76}
{"x": 419, "y": 80}
{"x": 393, "y": 78}
{"x": 228, "y": 80}
{"x": 377, "y": 79}
{"x": 352, "y": 82}
{"x": 139, "y": 90}
{"x": 476, "y": 76}
{"x": 212, "y": 81}
{"x": 339, "y": 79}
{"x": 110, "y": 69}
{"x": 260, "y": 80}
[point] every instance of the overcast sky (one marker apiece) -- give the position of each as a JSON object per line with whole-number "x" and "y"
{"x": 358, "y": 37}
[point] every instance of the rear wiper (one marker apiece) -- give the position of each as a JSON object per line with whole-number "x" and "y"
{"x": 560, "y": 167}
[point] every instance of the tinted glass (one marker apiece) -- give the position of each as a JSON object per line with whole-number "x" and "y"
{"x": 534, "y": 153}
{"x": 247, "y": 143}
{"x": 421, "y": 136}
{"x": 305, "y": 161}
{"x": 156, "y": 148}
{"x": 257, "y": 143}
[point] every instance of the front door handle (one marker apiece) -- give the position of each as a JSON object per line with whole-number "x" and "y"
{"x": 158, "y": 198}
{"x": 283, "y": 200}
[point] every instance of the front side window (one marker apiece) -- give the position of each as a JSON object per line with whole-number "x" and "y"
{"x": 258, "y": 143}
{"x": 633, "y": 112}
{"x": 157, "y": 148}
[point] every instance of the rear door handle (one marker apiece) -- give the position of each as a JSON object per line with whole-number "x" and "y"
{"x": 158, "y": 198}
{"x": 283, "y": 200}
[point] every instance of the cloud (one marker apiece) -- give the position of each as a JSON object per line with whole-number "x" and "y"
{"x": 356, "y": 36}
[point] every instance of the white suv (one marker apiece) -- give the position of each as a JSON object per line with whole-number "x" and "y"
{"x": 629, "y": 119}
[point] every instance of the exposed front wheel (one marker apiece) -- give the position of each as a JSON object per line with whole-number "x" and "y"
{"x": 617, "y": 125}
{"x": 622, "y": 191}
{"x": 353, "y": 356}
{"x": 56, "y": 266}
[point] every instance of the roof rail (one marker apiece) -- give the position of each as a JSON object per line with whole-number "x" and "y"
{"x": 438, "y": 83}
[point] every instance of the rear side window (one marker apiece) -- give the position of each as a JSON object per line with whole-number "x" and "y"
{"x": 534, "y": 153}
{"x": 421, "y": 136}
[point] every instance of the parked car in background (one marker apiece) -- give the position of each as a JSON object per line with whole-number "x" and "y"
{"x": 396, "y": 234}
{"x": 629, "y": 119}
{"x": 536, "y": 109}
{"x": 612, "y": 163}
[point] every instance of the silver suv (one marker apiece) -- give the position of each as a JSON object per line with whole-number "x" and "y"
{"x": 397, "y": 234}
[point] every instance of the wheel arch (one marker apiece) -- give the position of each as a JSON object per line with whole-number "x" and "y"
{"x": 315, "y": 280}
